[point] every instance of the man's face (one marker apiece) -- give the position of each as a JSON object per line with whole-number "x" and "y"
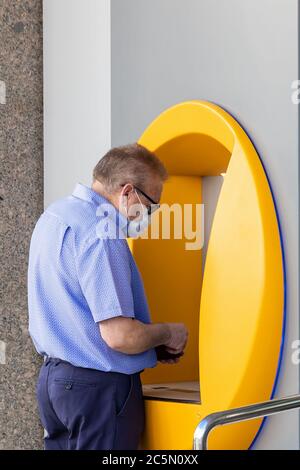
{"x": 131, "y": 197}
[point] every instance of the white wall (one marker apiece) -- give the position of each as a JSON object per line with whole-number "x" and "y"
{"x": 77, "y": 93}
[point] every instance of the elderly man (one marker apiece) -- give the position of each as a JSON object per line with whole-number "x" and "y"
{"x": 88, "y": 315}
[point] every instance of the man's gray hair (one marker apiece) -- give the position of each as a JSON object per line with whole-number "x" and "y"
{"x": 132, "y": 163}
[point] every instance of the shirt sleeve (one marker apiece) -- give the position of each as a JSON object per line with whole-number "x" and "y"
{"x": 105, "y": 278}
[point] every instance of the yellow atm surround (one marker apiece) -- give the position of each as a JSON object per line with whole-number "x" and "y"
{"x": 234, "y": 307}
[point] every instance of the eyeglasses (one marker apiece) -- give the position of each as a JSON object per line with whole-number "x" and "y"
{"x": 154, "y": 205}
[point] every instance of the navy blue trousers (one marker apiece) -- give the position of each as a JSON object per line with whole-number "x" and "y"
{"x": 87, "y": 409}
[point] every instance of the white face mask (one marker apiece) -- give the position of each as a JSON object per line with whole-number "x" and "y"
{"x": 135, "y": 228}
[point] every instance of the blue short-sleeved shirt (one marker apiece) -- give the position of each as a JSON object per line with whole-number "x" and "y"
{"x": 76, "y": 279}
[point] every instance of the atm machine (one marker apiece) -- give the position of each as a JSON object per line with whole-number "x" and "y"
{"x": 234, "y": 307}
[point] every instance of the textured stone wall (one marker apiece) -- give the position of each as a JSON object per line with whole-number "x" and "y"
{"x": 21, "y": 192}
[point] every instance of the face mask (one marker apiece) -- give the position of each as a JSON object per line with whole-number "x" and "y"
{"x": 135, "y": 228}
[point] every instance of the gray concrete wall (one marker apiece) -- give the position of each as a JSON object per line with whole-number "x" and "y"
{"x": 21, "y": 187}
{"x": 244, "y": 57}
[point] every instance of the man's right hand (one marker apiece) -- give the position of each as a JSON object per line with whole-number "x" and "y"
{"x": 177, "y": 338}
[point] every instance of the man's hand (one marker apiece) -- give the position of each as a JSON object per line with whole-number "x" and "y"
{"x": 177, "y": 339}
{"x": 165, "y": 357}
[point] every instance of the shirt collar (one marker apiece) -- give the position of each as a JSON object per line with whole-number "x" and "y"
{"x": 88, "y": 194}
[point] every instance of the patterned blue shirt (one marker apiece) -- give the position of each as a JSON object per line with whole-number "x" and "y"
{"x": 77, "y": 278}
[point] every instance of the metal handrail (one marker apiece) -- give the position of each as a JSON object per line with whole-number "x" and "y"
{"x": 244, "y": 413}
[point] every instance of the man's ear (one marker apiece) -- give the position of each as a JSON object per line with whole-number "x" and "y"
{"x": 127, "y": 189}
